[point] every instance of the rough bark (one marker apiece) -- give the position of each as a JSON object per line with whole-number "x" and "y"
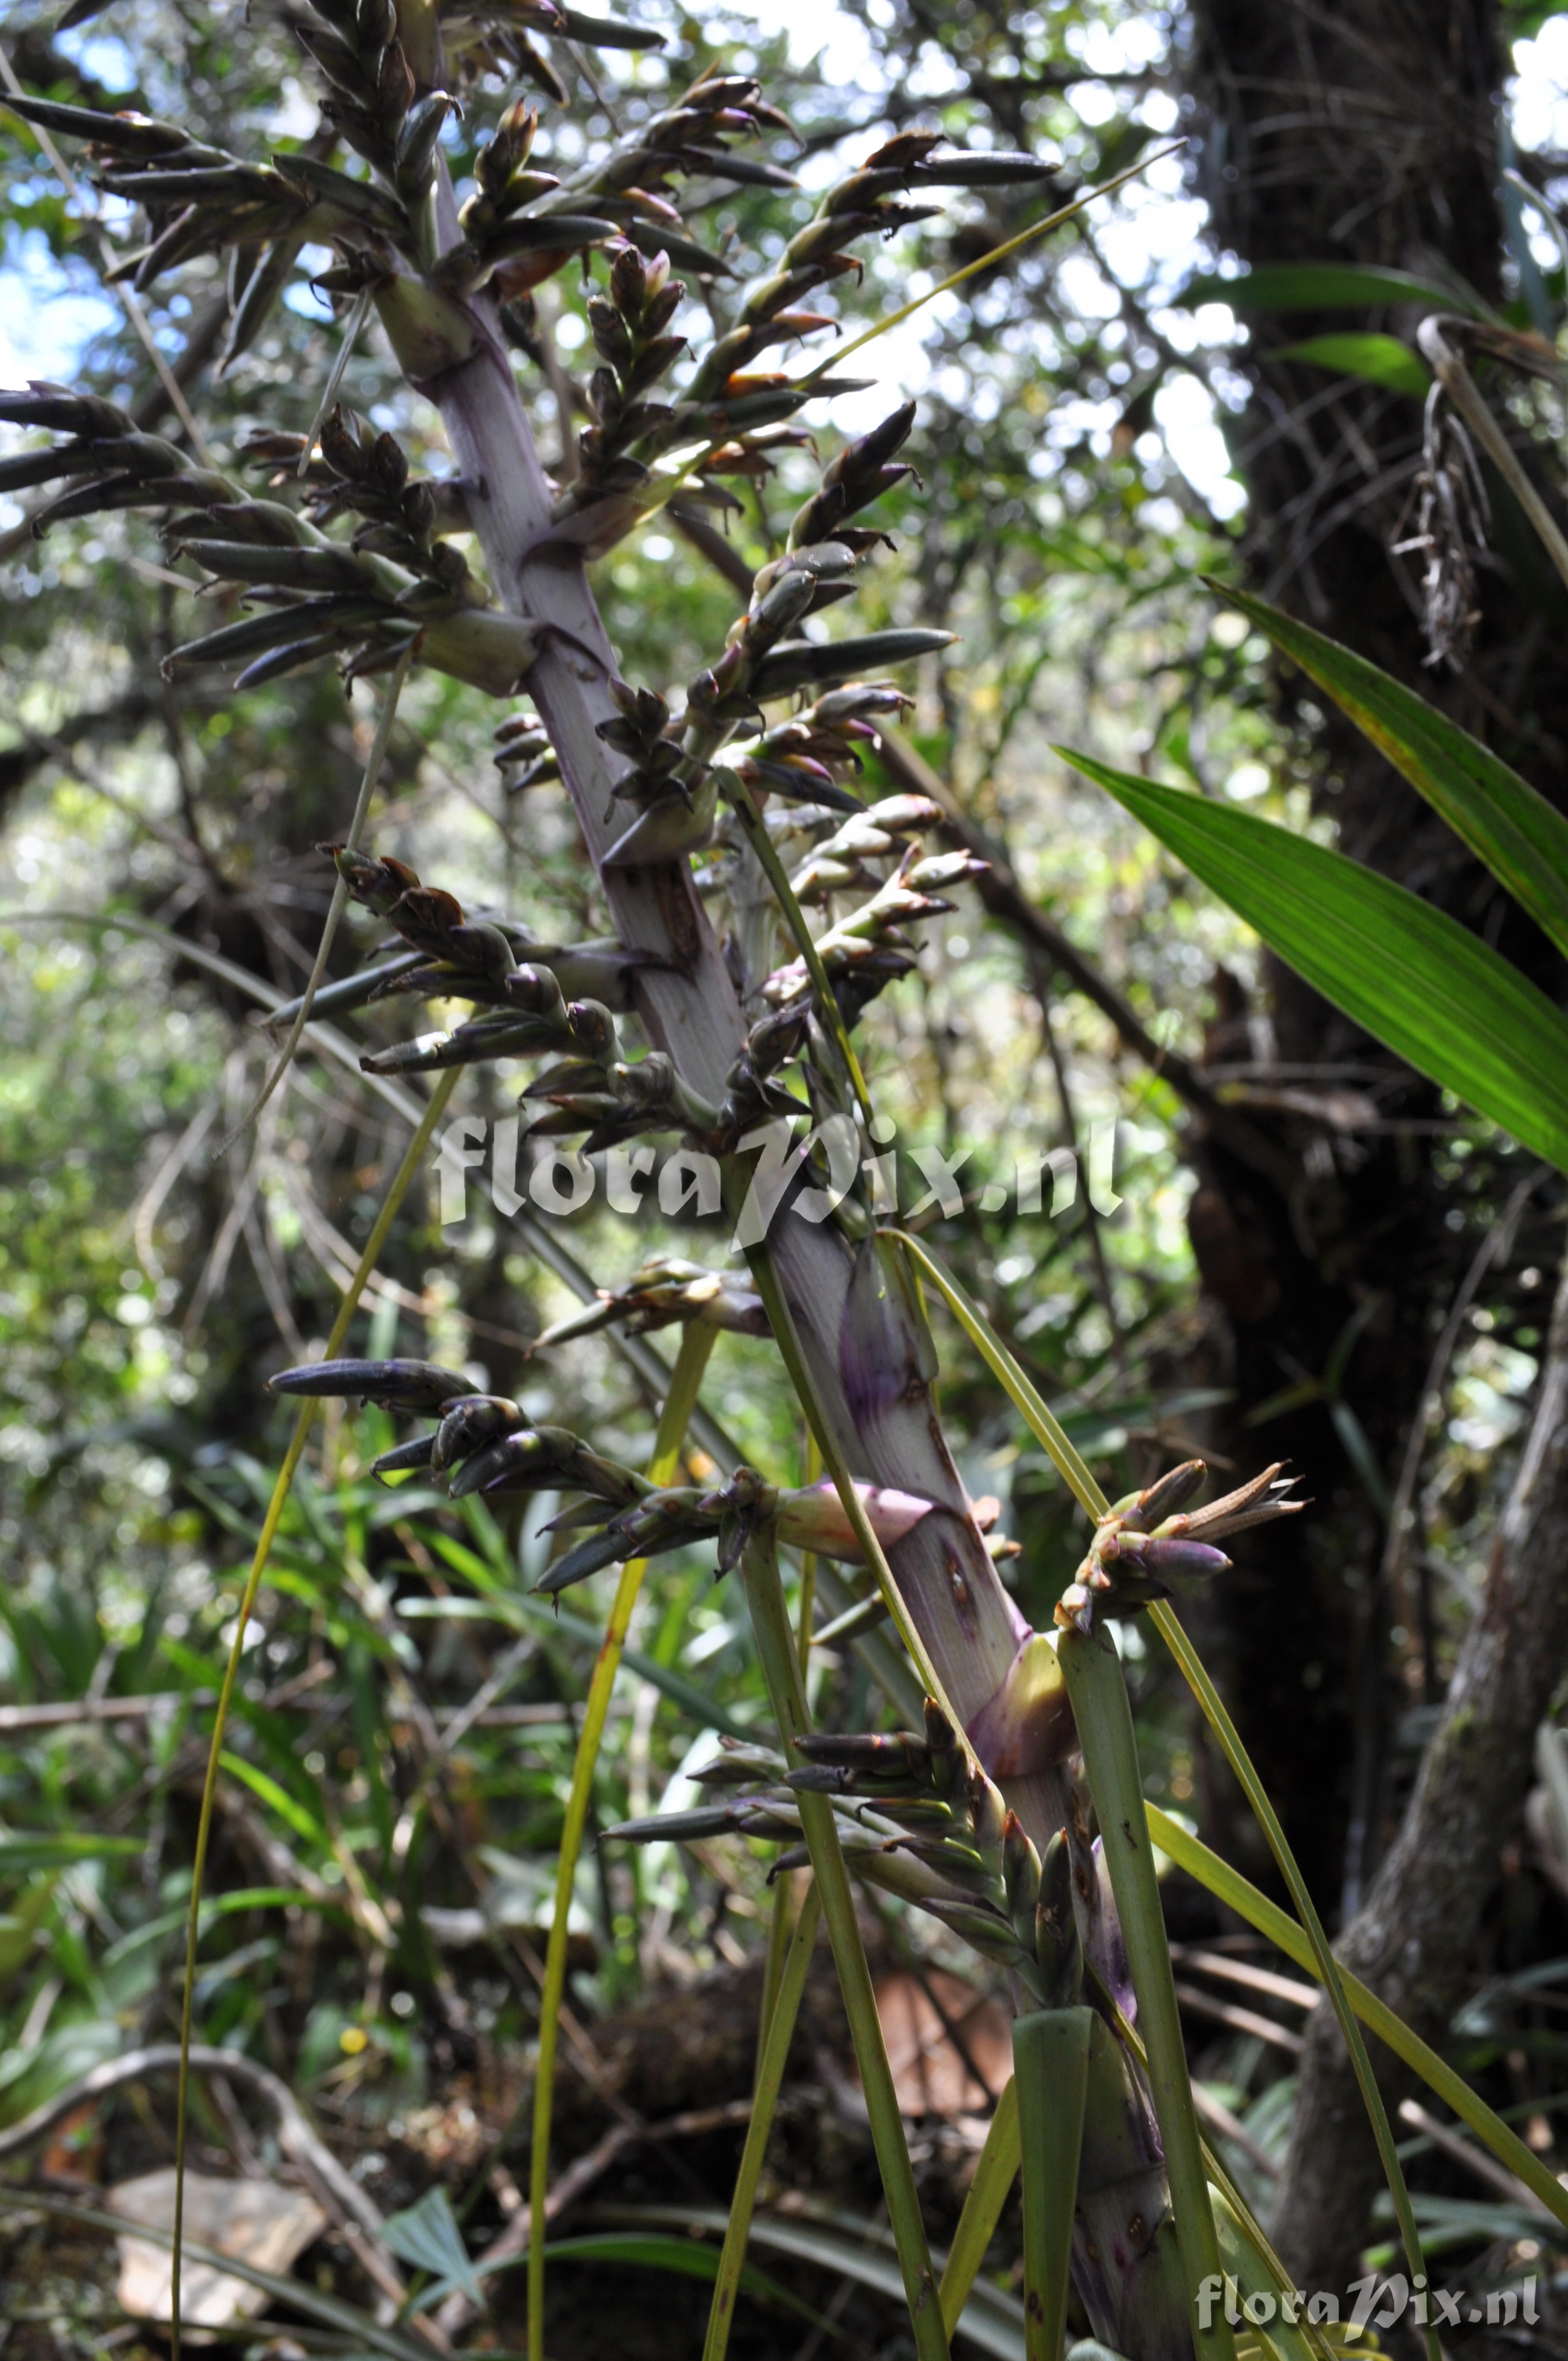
{"x": 1416, "y": 1940}
{"x": 1360, "y": 131}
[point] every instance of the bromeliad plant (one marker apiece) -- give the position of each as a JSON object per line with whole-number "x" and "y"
{"x": 741, "y": 1027}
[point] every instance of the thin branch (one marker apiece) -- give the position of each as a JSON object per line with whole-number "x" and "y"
{"x": 1004, "y": 898}
{"x": 124, "y": 295}
{"x": 373, "y": 763}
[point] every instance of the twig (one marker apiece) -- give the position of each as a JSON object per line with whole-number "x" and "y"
{"x": 1390, "y": 1578}
{"x": 1242, "y": 1972}
{"x": 1219, "y": 2118}
{"x": 124, "y": 296}
{"x": 1486, "y": 2168}
{"x": 451, "y": 1721}
{"x": 1090, "y": 1216}
{"x": 1240, "y": 2020}
{"x": 510, "y": 2243}
{"x": 485, "y": 1696}
{"x": 1499, "y": 1240}
{"x": 1003, "y": 897}
{"x": 373, "y": 763}
{"x": 297, "y": 2139}
{"x": 74, "y": 1710}
{"x": 163, "y": 1182}
{"x": 1449, "y": 367}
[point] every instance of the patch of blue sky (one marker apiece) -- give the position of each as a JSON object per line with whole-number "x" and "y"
{"x": 50, "y": 312}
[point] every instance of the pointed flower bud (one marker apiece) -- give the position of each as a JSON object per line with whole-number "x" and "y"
{"x": 1058, "y": 1951}
{"x": 395, "y": 1385}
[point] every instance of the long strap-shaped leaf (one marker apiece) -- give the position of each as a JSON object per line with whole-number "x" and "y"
{"x": 412, "y": 1156}
{"x": 1522, "y": 839}
{"x": 1409, "y": 973}
{"x": 764, "y": 2099}
{"x": 993, "y": 2176}
{"x": 1327, "y": 1968}
{"x": 1050, "y": 2057}
{"x": 1228, "y": 1886}
{"x": 697, "y": 1343}
{"x": 781, "y": 1671}
{"x": 1104, "y": 1718}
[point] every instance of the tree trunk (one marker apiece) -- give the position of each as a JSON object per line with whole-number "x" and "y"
{"x": 1359, "y": 131}
{"x": 1367, "y": 132}
{"x": 1416, "y": 1940}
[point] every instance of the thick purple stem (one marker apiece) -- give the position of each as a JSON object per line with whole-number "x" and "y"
{"x": 690, "y": 1010}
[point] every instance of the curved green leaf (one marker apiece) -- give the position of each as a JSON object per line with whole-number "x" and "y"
{"x": 426, "y": 2235}
{"x": 988, "y": 2193}
{"x": 1522, "y": 839}
{"x": 1382, "y": 360}
{"x": 1322, "y": 286}
{"x": 1228, "y": 1886}
{"x": 686, "y": 2256}
{"x": 22, "y": 1851}
{"x": 992, "y": 2319}
{"x": 277, "y": 1798}
{"x": 1409, "y": 973}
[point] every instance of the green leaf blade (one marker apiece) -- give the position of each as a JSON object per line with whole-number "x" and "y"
{"x": 23, "y": 1851}
{"x": 1322, "y": 286}
{"x": 1381, "y": 360}
{"x": 1522, "y": 839}
{"x": 426, "y": 2235}
{"x": 1408, "y": 973}
{"x": 270, "y": 1792}
{"x": 1228, "y": 1886}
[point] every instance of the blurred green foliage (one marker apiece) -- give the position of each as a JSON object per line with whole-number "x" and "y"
{"x": 148, "y": 1283}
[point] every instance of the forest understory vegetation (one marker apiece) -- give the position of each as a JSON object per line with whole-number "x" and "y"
{"x": 785, "y": 1457}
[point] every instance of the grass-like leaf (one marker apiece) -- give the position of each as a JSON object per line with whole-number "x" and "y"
{"x": 1047, "y": 1429}
{"x": 1103, "y": 1715}
{"x": 731, "y": 2275}
{"x": 992, "y": 2321}
{"x": 1411, "y": 975}
{"x": 520, "y": 1609}
{"x": 1050, "y": 2053}
{"x": 1326, "y": 1967}
{"x": 688, "y": 2258}
{"x": 277, "y": 1798}
{"x": 987, "y": 2194}
{"x": 22, "y": 1851}
{"x": 1522, "y": 839}
{"x": 781, "y": 1669}
{"x": 1228, "y": 1886}
{"x": 686, "y": 1381}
